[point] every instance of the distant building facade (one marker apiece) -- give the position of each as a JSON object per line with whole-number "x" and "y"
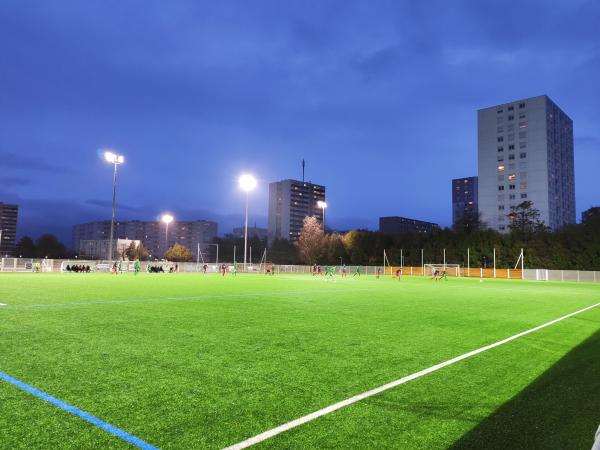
{"x": 152, "y": 234}
{"x": 98, "y": 249}
{"x": 8, "y": 228}
{"x": 402, "y": 225}
{"x": 260, "y": 233}
{"x": 465, "y": 204}
{"x": 586, "y": 215}
{"x": 525, "y": 152}
{"x": 290, "y": 201}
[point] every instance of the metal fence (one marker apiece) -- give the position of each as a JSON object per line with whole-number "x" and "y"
{"x": 58, "y": 265}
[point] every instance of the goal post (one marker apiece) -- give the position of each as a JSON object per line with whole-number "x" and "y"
{"x": 451, "y": 269}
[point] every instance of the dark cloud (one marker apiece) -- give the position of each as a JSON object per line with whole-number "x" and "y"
{"x": 108, "y": 204}
{"x": 29, "y": 163}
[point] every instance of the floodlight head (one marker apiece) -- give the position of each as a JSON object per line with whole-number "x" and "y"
{"x": 247, "y": 182}
{"x": 113, "y": 158}
{"x": 321, "y": 204}
{"x": 167, "y": 218}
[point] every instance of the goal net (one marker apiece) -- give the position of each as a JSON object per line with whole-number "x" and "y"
{"x": 450, "y": 269}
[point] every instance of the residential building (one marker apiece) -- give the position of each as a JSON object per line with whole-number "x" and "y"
{"x": 260, "y": 233}
{"x": 8, "y": 229}
{"x": 290, "y": 201}
{"x": 588, "y": 214}
{"x": 403, "y": 225}
{"x": 525, "y": 153}
{"x": 465, "y": 205}
{"x": 98, "y": 248}
{"x": 152, "y": 234}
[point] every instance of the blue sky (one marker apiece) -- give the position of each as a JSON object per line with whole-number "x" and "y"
{"x": 379, "y": 97}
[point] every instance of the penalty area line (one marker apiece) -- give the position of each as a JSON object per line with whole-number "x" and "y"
{"x": 349, "y": 401}
{"x": 123, "y": 435}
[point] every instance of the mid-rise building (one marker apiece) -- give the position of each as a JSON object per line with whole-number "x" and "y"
{"x": 98, "y": 249}
{"x": 290, "y": 201}
{"x": 525, "y": 153}
{"x": 465, "y": 205}
{"x": 152, "y": 234}
{"x": 8, "y": 229}
{"x": 403, "y": 225}
{"x": 588, "y": 214}
{"x": 260, "y": 233}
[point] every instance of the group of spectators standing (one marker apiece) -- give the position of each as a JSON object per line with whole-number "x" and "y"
{"x": 78, "y": 268}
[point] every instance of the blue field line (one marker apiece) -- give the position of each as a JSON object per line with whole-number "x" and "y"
{"x": 79, "y": 413}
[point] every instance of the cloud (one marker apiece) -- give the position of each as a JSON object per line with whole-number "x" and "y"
{"x": 108, "y": 204}
{"x": 9, "y": 182}
{"x": 15, "y": 161}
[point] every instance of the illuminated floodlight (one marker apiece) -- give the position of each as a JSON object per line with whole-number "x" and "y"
{"x": 113, "y": 158}
{"x": 321, "y": 204}
{"x": 167, "y": 218}
{"x": 247, "y": 182}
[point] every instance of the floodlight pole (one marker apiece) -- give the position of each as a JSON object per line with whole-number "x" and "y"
{"x": 112, "y": 220}
{"x": 246, "y": 230}
{"x": 468, "y": 262}
{"x": 494, "y": 262}
{"x": 422, "y": 264}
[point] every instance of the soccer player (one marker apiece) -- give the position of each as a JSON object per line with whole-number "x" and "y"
{"x": 136, "y": 267}
{"x": 344, "y": 271}
{"x": 223, "y": 269}
{"x": 444, "y": 275}
{"x": 331, "y": 271}
{"x": 314, "y": 270}
{"x": 356, "y": 271}
{"x": 235, "y": 266}
{"x": 204, "y": 269}
{"x": 319, "y": 270}
{"x": 398, "y": 273}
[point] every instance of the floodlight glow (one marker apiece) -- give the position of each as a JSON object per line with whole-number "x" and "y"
{"x": 247, "y": 182}
{"x": 321, "y": 204}
{"x": 113, "y": 158}
{"x": 167, "y": 218}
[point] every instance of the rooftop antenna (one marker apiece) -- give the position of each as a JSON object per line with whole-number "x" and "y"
{"x": 303, "y": 165}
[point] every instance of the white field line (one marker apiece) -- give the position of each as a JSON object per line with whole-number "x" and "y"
{"x": 349, "y": 401}
{"x": 3, "y": 304}
{"x": 272, "y": 293}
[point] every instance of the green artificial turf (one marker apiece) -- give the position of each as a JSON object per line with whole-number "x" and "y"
{"x": 190, "y": 361}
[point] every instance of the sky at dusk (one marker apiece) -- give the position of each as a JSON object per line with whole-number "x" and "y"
{"x": 379, "y": 97}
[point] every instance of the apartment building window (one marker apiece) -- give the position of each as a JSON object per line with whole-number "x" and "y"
{"x": 511, "y": 108}
{"x": 522, "y": 144}
{"x": 500, "y": 139}
{"x": 500, "y": 148}
{"x": 500, "y": 207}
{"x": 512, "y": 187}
{"x": 522, "y": 134}
{"x": 501, "y": 187}
{"x": 501, "y": 197}
{"x": 500, "y": 119}
{"x": 511, "y": 146}
{"x": 523, "y": 155}
{"x": 500, "y": 177}
{"x": 501, "y": 168}
{"x": 500, "y": 158}
{"x": 523, "y": 185}
{"x": 523, "y": 175}
{"x": 523, "y": 195}
{"x": 510, "y": 127}
{"x": 502, "y": 227}
{"x": 522, "y": 115}
{"x": 511, "y": 117}
{"x": 511, "y": 157}
{"x": 500, "y": 111}
{"x": 512, "y": 196}
{"x": 523, "y": 165}
{"x": 521, "y": 105}
{"x": 500, "y": 129}
{"x": 512, "y": 176}
{"x": 522, "y": 125}
{"x": 511, "y": 137}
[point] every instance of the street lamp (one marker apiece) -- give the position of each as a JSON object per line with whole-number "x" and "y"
{"x": 247, "y": 183}
{"x": 323, "y": 205}
{"x": 114, "y": 159}
{"x": 167, "y": 219}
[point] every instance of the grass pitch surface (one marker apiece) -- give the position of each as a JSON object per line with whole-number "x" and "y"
{"x": 189, "y": 361}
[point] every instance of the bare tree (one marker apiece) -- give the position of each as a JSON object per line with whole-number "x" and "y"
{"x": 311, "y": 240}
